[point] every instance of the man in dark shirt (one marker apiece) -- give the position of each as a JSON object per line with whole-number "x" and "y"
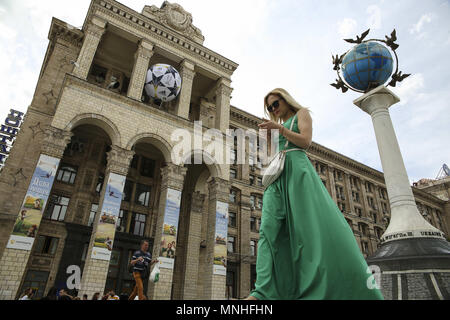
{"x": 141, "y": 262}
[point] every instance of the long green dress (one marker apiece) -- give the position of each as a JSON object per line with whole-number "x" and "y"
{"x": 306, "y": 248}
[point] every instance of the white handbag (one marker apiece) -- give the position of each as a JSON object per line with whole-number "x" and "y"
{"x": 276, "y": 165}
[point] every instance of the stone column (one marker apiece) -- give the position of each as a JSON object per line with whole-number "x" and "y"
{"x": 365, "y": 202}
{"x": 406, "y": 221}
{"x": 15, "y": 257}
{"x": 96, "y": 267}
{"x": 244, "y": 236}
{"x": 172, "y": 178}
{"x": 184, "y": 100}
{"x": 214, "y": 284}
{"x": 193, "y": 247}
{"x": 349, "y": 192}
{"x": 332, "y": 183}
{"x": 141, "y": 64}
{"x": 223, "y": 96}
{"x": 92, "y": 36}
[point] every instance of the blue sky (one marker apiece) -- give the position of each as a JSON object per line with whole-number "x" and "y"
{"x": 285, "y": 43}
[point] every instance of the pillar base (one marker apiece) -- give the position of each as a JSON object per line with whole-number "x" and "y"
{"x": 415, "y": 268}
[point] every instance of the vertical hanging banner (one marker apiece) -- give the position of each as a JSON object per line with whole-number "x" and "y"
{"x": 170, "y": 228}
{"x": 109, "y": 213}
{"x": 33, "y": 205}
{"x": 220, "y": 244}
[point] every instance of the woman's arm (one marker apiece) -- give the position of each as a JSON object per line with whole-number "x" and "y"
{"x": 304, "y": 138}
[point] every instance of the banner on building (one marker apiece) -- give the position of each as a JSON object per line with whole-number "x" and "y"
{"x": 220, "y": 244}
{"x": 109, "y": 214}
{"x": 33, "y": 205}
{"x": 170, "y": 229}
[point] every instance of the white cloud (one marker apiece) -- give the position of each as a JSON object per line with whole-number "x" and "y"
{"x": 410, "y": 88}
{"x": 347, "y": 27}
{"x": 417, "y": 28}
{"x": 374, "y": 20}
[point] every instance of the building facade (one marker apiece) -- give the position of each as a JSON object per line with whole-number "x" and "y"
{"x": 96, "y": 130}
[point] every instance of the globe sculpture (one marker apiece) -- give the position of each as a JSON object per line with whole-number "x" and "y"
{"x": 163, "y": 82}
{"x": 367, "y": 66}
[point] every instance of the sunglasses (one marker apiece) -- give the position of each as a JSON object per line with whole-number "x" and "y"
{"x": 273, "y": 106}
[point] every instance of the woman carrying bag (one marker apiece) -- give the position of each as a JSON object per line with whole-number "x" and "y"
{"x": 306, "y": 249}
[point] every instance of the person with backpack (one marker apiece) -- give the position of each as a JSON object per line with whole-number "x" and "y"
{"x": 140, "y": 265}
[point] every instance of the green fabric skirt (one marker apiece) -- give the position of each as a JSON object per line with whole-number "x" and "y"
{"x": 307, "y": 250}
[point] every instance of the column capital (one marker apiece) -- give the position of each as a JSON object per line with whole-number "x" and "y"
{"x": 55, "y": 141}
{"x": 96, "y": 27}
{"x": 145, "y": 49}
{"x": 223, "y": 88}
{"x": 219, "y": 189}
{"x": 380, "y": 98}
{"x": 187, "y": 70}
{"x": 119, "y": 160}
{"x": 173, "y": 176}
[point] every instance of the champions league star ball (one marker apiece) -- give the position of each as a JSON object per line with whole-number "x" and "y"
{"x": 163, "y": 82}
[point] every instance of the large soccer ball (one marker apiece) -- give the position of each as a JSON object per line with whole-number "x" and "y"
{"x": 367, "y": 65}
{"x": 163, "y": 82}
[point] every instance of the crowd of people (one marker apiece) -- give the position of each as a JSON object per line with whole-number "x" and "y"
{"x": 63, "y": 294}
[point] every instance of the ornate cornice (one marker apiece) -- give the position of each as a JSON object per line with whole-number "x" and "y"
{"x": 68, "y": 33}
{"x": 165, "y": 34}
{"x": 175, "y": 17}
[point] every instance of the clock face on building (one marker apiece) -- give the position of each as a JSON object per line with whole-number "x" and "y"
{"x": 163, "y": 82}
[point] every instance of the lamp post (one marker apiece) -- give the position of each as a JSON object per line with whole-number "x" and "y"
{"x": 412, "y": 250}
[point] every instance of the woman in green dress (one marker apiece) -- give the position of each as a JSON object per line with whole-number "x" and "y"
{"x": 306, "y": 248}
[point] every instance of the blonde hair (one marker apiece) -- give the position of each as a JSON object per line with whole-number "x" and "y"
{"x": 293, "y": 104}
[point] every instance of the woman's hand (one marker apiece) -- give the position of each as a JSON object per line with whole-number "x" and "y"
{"x": 269, "y": 125}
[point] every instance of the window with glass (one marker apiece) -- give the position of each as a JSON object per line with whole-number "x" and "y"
{"x": 99, "y": 185}
{"x": 122, "y": 221}
{"x": 142, "y": 196}
{"x": 232, "y": 219}
{"x": 252, "y": 223}
{"x": 233, "y": 156}
{"x": 57, "y": 208}
{"x": 252, "y": 201}
{"x": 94, "y": 209}
{"x": 260, "y": 181}
{"x": 147, "y": 167}
{"x": 46, "y": 245}
{"x": 231, "y": 245}
{"x": 233, "y": 196}
{"x": 253, "y": 247}
{"x": 138, "y": 224}
{"x": 252, "y": 179}
{"x": 127, "y": 191}
{"x": 259, "y": 203}
{"x": 67, "y": 173}
{"x": 233, "y": 173}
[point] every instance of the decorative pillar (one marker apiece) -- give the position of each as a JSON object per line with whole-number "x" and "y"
{"x": 244, "y": 236}
{"x": 216, "y": 239}
{"x": 365, "y": 202}
{"x": 193, "y": 247}
{"x": 141, "y": 64}
{"x": 15, "y": 256}
{"x": 223, "y": 97}
{"x": 332, "y": 183}
{"x": 92, "y": 36}
{"x": 101, "y": 243}
{"x": 184, "y": 101}
{"x": 348, "y": 186}
{"x": 406, "y": 221}
{"x": 172, "y": 183}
